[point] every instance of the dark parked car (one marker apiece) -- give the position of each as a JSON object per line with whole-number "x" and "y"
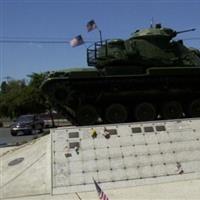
{"x": 27, "y": 124}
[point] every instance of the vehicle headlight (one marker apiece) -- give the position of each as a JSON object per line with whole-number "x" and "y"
{"x": 18, "y": 126}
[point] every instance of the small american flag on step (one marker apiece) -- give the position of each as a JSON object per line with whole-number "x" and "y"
{"x": 101, "y": 194}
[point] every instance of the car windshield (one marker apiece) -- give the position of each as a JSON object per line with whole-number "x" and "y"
{"x": 25, "y": 118}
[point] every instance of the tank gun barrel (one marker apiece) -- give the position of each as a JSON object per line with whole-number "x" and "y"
{"x": 188, "y": 30}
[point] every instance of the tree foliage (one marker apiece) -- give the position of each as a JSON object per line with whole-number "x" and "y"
{"x": 17, "y": 97}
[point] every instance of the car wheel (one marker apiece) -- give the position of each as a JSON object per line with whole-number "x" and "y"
{"x": 41, "y": 130}
{"x": 14, "y": 134}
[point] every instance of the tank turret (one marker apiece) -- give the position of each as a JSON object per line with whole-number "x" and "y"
{"x": 158, "y": 32}
{"x": 148, "y": 76}
{"x": 148, "y": 47}
{"x": 154, "y": 32}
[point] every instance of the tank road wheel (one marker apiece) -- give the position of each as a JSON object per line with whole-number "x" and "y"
{"x": 194, "y": 108}
{"x": 87, "y": 115}
{"x": 172, "y": 110}
{"x": 116, "y": 113}
{"x": 145, "y": 112}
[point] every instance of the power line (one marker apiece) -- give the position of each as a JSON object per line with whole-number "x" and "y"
{"x": 33, "y": 38}
{"x": 34, "y": 41}
{"x": 38, "y": 41}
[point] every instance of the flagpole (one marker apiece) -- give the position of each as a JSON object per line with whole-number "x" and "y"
{"x": 100, "y": 34}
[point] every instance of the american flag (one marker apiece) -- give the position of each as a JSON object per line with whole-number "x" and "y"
{"x": 101, "y": 194}
{"x": 91, "y": 25}
{"x": 76, "y": 41}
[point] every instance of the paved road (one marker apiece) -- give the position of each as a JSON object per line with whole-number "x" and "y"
{"x": 7, "y": 138}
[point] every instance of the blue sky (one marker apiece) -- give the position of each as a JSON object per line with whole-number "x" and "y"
{"x": 64, "y": 19}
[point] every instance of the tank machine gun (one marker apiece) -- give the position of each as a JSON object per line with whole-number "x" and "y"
{"x": 146, "y": 77}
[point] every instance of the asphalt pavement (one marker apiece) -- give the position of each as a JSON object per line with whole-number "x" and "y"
{"x": 6, "y": 139}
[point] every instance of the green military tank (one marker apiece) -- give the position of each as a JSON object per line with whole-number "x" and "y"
{"x": 146, "y": 77}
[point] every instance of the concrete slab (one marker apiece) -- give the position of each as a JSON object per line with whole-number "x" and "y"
{"x": 135, "y": 154}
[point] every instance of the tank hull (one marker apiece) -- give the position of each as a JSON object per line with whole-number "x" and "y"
{"x": 95, "y": 96}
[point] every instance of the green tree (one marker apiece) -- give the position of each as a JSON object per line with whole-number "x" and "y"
{"x": 36, "y": 79}
{"x": 4, "y": 86}
{"x": 18, "y": 98}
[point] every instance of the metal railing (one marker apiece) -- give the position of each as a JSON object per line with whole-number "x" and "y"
{"x": 93, "y": 53}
